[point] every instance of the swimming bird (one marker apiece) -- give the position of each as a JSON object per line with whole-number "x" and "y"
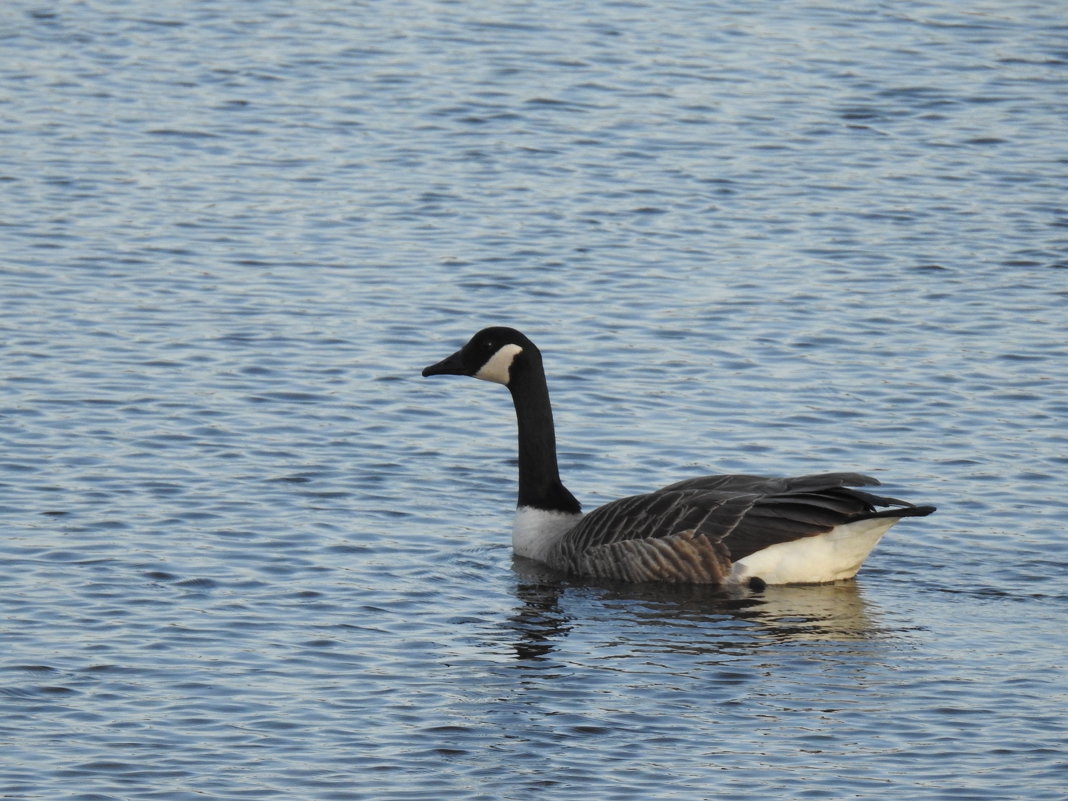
{"x": 733, "y": 530}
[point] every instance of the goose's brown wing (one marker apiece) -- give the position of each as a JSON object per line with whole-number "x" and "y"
{"x": 742, "y": 514}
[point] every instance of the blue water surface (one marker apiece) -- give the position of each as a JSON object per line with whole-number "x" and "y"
{"x": 249, "y": 553}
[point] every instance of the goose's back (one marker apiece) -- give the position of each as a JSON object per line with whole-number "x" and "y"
{"x": 695, "y": 529}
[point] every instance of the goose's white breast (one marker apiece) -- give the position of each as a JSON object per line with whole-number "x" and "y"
{"x": 536, "y": 531}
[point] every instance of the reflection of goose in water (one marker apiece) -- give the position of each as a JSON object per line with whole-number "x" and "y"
{"x": 832, "y": 612}
{"x": 729, "y": 530}
{"x": 686, "y": 619}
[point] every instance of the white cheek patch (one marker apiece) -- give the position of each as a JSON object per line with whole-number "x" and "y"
{"x": 496, "y": 369}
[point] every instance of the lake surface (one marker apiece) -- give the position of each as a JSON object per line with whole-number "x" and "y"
{"x": 249, "y": 553}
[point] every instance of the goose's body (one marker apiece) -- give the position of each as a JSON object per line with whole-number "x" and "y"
{"x": 709, "y": 530}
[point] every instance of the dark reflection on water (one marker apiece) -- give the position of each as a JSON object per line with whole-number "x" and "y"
{"x": 693, "y": 618}
{"x": 540, "y": 622}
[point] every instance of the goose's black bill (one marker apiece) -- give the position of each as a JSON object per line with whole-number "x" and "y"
{"x": 452, "y": 365}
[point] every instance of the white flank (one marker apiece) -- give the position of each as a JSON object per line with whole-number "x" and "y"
{"x": 536, "y": 531}
{"x": 834, "y": 555}
{"x": 496, "y": 369}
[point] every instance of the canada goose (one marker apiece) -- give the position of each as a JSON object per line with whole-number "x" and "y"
{"x": 732, "y": 529}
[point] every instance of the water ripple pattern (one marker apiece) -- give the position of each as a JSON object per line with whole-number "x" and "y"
{"x": 249, "y": 553}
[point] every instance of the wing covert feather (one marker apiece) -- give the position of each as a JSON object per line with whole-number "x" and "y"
{"x": 743, "y": 513}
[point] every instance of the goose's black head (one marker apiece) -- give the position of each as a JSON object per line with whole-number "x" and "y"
{"x": 490, "y": 355}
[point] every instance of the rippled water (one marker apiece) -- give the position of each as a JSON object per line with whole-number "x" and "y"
{"x": 249, "y": 553}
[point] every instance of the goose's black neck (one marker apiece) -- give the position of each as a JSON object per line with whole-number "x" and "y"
{"x": 539, "y": 476}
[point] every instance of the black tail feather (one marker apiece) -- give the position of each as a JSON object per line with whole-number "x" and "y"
{"x": 898, "y": 511}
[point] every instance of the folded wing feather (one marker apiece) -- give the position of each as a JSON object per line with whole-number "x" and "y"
{"x": 692, "y": 530}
